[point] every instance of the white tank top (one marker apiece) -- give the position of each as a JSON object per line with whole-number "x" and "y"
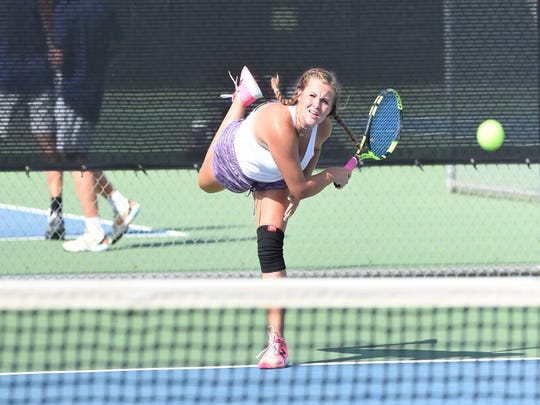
{"x": 256, "y": 161}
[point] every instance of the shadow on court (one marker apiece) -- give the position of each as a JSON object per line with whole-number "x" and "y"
{"x": 183, "y": 242}
{"x": 417, "y": 350}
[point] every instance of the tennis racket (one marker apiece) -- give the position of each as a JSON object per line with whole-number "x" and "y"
{"x": 382, "y": 130}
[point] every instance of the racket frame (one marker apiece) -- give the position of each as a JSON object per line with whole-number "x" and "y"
{"x": 368, "y": 154}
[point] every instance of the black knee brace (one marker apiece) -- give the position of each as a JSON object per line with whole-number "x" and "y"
{"x": 270, "y": 248}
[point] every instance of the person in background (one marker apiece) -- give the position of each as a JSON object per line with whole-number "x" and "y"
{"x": 84, "y": 31}
{"x": 273, "y": 153}
{"x": 27, "y": 81}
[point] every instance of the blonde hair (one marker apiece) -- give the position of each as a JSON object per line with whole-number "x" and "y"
{"x": 327, "y": 77}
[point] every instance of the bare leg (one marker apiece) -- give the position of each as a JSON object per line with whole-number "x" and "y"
{"x": 276, "y": 316}
{"x": 94, "y": 238}
{"x": 85, "y": 187}
{"x": 103, "y": 185}
{"x": 54, "y": 183}
{"x": 270, "y": 208}
{"x": 54, "y": 178}
{"x": 207, "y": 180}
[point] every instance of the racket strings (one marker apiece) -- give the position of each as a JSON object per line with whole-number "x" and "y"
{"x": 385, "y": 126}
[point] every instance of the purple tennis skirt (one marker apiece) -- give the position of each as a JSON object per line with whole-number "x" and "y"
{"x": 227, "y": 170}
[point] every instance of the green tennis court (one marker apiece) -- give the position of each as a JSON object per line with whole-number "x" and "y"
{"x": 387, "y": 218}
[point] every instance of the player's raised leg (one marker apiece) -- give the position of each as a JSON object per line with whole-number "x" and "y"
{"x": 246, "y": 92}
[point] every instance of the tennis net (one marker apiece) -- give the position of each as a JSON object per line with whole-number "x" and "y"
{"x": 195, "y": 341}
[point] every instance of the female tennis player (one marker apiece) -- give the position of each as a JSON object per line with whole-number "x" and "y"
{"x": 272, "y": 153}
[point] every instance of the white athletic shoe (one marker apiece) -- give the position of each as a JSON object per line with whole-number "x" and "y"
{"x": 123, "y": 219}
{"x": 88, "y": 242}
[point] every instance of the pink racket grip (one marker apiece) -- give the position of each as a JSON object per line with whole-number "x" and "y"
{"x": 352, "y": 163}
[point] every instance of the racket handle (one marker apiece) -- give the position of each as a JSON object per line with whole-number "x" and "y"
{"x": 352, "y": 163}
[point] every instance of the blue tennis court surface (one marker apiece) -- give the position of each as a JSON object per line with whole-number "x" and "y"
{"x": 421, "y": 383}
{"x": 19, "y": 223}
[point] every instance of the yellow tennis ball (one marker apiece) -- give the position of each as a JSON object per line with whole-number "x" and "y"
{"x": 490, "y": 135}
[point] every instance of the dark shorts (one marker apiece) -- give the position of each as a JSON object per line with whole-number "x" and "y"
{"x": 226, "y": 167}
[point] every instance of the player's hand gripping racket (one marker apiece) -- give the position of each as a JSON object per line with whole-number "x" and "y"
{"x": 382, "y": 129}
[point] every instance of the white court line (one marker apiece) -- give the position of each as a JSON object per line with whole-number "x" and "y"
{"x": 146, "y": 231}
{"x": 327, "y": 364}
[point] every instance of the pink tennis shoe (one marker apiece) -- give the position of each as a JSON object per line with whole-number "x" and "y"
{"x": 247, "y": 88}
{"x": 276, "y": 355}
